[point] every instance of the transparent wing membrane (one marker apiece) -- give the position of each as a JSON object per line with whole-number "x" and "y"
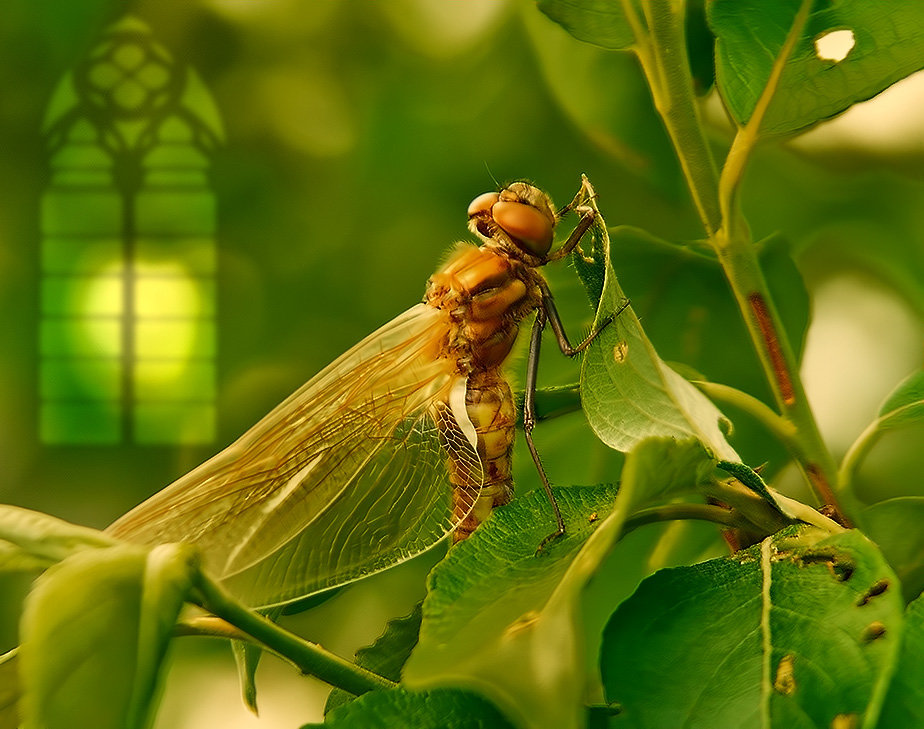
{"x": 344, "y": 478}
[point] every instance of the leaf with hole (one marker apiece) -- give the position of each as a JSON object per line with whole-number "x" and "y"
{"x": 797, "y": 631}
{"x": 847, "y": 52}
{"x": 896, "y": 527}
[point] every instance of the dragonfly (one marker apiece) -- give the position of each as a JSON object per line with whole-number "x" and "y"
{"x": 403, "y": 439}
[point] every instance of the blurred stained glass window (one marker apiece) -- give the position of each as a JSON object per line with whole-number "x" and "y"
{"x": 128, "y": 253}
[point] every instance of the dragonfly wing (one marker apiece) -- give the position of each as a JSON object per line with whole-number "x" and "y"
{"x": 358, "y": 434}
{"x": 397, "y": 506}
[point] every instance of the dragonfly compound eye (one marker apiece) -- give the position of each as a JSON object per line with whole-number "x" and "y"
{"x": 528, "y": 226}
{"x": 482, "y": 204}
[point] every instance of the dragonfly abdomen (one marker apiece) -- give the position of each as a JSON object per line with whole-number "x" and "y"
{"x": 489, "y": 405}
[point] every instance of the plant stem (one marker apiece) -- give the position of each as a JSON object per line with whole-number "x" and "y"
{"x": 309, "y": 657}
{"x": 674, "y": 512}
{"x": 855, "y": 455}
{"x": 665, "y": 63}
{"x": 738, "y": 258}
{"x": 783, "y": 429}
{"x": 664, "y": 60}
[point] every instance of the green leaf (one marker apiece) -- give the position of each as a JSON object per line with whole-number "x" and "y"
{"x": 386, "y": 656}
{"x": 793, "y": 632}
{"x": 751, "y": 33}
{"x": 690, "y": 316}
{"x": 601, "y": 22}
{"x": 44, "y": 537}
{"x": 94, "y": 632}
{"x": 551, "y": 402}
{"x": 605, "y": 95}
{"x": 896, "y": 526}
{"x": 905, "y": 404}
{"x": 904, "y": 704}
{"x": 700, "y": 47}
{"x": 15, "y": 559}
{"x": 628, "y": 393}
{"x": 9, "y": 690}
{"x": 440, "y": 709}
{"x": 505, "y": 621}
{"x": 247, "y": 657}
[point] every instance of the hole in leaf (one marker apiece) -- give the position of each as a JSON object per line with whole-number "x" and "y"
{"x": 835, "y": 46}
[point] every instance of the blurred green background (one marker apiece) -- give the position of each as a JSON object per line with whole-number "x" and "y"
{"x": 353, "y": 136}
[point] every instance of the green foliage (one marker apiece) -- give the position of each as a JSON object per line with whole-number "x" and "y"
{"x": 748, "y": 640}
{"x": 800, "y": 626}
{"x": 751, "y": 37}
{"x": 628, "y": 393}
{"x": 116, "y": 606}
{"x": 902, "y": 707}
{"x": 386, "y": 656}
{"x": 439, "y": 709}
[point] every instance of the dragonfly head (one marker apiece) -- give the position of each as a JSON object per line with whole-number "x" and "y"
{"x": 520, "y": 213}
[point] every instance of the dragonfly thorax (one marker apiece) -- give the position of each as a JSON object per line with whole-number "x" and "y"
{"x": 485, "y": 295}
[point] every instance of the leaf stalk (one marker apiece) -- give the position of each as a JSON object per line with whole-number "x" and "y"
{"x": 308, "y": 657}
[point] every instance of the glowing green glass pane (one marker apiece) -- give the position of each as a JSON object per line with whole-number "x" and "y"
{"x": 182, "y": 380}
{"x": 192, "y": 338}
{"x": 80, "y": 379}
{"x": 177, "y": 158}
{"x": 195, "y": 255}
{"x": 181, "y": 212}
{"x": 74, "y": 337}
{"x": 82, "y": 295}
{"x": 80, "y": 423}
{"x": 81, "y": 255}
{"x": 81, "y": 157}
{"x": 80, "y": 212}
{"x": 185, "y": 423}
{"x": 174, "y": 296}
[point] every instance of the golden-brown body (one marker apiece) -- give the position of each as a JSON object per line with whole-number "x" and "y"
{"x": 485, "y": 295}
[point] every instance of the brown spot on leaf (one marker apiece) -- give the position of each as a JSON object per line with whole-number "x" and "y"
{"x": 873, "y": 631}
{"x": 840, "y": 566}
{"x": 876, "y": 589}
{"x": 621, "y": 351}
{"x": 844, "y": 721}
{"x": 785, "y": 681}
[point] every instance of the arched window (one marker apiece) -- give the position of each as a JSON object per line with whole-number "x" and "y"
{"x": 128, "y": 253}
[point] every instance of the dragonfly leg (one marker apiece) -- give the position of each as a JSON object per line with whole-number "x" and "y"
{"x": 547, "y": 313}
{"x": 529, "y": 419}
{"x": 549, "y": 309}
{"x": 588, "y": 217}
